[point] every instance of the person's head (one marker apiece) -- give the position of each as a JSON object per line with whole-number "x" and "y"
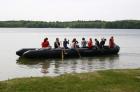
{"x": 102, "y": 39}
{"x": 112, "y": 37}
{"x": 65, "y": 39}
{"x": 45, "y": 39}
{"x": 74, "y": 40}
{"x": 95, "y": 39}
{"x": 90, "y": 39}
{"x": 57, "y": 39}
{"x": 83, "y": 38}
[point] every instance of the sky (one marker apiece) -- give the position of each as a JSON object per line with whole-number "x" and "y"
{"x": 69, "y": 10}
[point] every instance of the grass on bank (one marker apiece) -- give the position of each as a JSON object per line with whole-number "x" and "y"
{"x": 100, "y": 81}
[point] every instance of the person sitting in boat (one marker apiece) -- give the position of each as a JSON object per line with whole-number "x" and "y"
{"x": 57, "y": 43}
{"x": 74, "y": 43}
{"x": 83, "y": 43}
{"x": 102, "y": 43}
{"x": 111, "y": 42}
{"x": 65, "y": 43}
{"x": 97, "y": 44}
{"x": 90, "y": 43}
{"x": 45, "y": 43}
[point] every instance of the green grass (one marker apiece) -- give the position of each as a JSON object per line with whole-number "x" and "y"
{"x": 100, "y": 81}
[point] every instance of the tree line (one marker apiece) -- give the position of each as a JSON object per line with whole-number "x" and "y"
{"x": 122, "y": 24}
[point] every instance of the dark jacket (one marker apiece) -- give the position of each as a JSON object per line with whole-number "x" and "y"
{"x": 65, "y": 44}
{"x": 56, "y": 44}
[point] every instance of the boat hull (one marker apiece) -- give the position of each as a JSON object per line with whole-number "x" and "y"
{"x": 66, "y": 53}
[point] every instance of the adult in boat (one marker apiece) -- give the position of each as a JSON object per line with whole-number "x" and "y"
{"x": 97, "y": 44}
{"x": 102, "y": 43}
{"x": 74, "y": 43}
{"x": 90, "y": 43}
{"x": 45, "y": 43}
{"x": 83, "y": 43}
{"x": 57, "y": 43}
{"x": 111, "y": 42}
{"x": 65, "y": 43}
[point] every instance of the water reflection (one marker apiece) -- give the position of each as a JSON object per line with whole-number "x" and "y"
{"x": 57, "y": 66}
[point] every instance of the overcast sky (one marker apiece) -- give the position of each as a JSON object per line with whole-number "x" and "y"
{"x": 67, "y": 10}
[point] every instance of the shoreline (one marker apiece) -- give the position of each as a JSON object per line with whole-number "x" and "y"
{"x": 114, "y": 80}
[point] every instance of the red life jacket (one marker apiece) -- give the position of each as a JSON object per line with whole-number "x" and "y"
{"x": 45, "y": 44}
{"x": 90, "y": 44}
{"x": 111, "y": 43}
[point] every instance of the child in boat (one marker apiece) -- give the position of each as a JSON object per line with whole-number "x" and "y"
{"x": 74, "y": 43}
{"x": 102, "y": 43}
{"x": 97, "y": 44}
{"x": 111, "y": 42}
{"x": 90, "y": 43}
{"x": 83, "y": 43}
{"x": 57, "y": 43}
{"x": 45, "y": 43}
{"x": 65, "y": 43}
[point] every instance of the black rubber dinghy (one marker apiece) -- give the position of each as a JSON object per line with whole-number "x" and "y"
{"x": 66, "y": 53}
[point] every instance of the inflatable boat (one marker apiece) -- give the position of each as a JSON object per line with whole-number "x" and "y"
{"x": 66, "y": 53}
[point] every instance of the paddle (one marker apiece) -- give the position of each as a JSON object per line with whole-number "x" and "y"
{"x": 62, "y": 51}
{"x": 62, "y": 55}
{"x": 78, "y": 52}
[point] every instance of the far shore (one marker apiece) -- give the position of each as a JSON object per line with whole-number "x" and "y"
{"x": 120, "y": 24}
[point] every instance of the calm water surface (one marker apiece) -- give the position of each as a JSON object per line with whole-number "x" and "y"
{"x": 13, "y": 39}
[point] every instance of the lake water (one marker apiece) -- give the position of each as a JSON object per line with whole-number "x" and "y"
{"x": 13, "y": 39}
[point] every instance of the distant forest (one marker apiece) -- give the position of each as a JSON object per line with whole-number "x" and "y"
{"x": 123, "y": 24}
